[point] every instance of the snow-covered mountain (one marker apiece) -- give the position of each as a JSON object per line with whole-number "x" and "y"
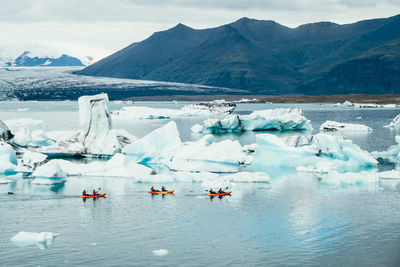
{"x": 25, "y": 60}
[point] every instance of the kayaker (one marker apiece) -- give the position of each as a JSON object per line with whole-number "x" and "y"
{"x": 212, "y": 191}
{"x": 94, "y": 192}
{"x": 163, "y": 189}
{"x": 84, "y": 193}
{"x": 220, "y": 191}
{"x": 152, "y": 189}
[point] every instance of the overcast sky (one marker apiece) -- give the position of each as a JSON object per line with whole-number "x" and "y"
{"x": 100, "y": 27}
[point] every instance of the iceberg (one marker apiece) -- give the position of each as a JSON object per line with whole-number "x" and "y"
{"x": 8, "y": 159}
{"x": 361, "y": 105}
{"x": 311, "y": 152}
{"x": 215, "y": 107}
{"x": 156, "y": 144}
{"x": 395, "y": 123}
{"x": 28, "y": 131}
{"x": 30, "y": 160}
{"x": 207, "y": 155}
{"x": 212, "y": 108}
{"x": 42, "y": 239}
{"x": 51, "y": 169}
{"x": 5, "y": 133}
{"x": 280, "y": 119}
{"x": 120, "y": 165}
{"x": 333, "y": 126}
{"x": 95, "y": 119}
{"x": 392, "y": 154}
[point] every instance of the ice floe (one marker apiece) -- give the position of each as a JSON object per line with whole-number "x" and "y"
{"x": 30, "y": 160}
{"x": 42, "y": 239}
{"x": 395, "y": 123}
{"x": 392, "y": 154}
{"x": 8, "y": 158}
{"x": 333, "y": 126}
{"x": 160, "y": 252}
{"x": 212, "y": 108}
{"x": 363, "y": 105}
{"x": 311, "y": 152}
{"x": 281, "y": 119}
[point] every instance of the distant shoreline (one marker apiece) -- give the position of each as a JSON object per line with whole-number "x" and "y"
{"x": 356, "y": 98}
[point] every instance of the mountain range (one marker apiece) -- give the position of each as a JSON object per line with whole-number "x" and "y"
{"x": 264, "y": 57}
{"x": 25, "y": 60}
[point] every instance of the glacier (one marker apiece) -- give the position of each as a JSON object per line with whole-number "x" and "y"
{"x": 280, "y": 119}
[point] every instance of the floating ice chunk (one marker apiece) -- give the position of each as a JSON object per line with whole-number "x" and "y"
{"x": 141, "y": 112}
{"x": 42, "y": 239}
{"x": 50, "y": 169}
{"x": 393, "y": 174}
{"x": 333, "y": 126}
{"x": 160, "y": 252}
{"x": 216, "y": 107}
{"x": 28, "y": 131}
{"x": 94, "y": 116}
{"x": 359, "y": 105}
{"x": 5, "y": 133}
{"x": 156, "y": 144}
{"x": 8, "y": 158}
{"x": 121, "y": 166}
{"x": 395, "y": 122}
{"x": 281, "y": 119}
{"x": 207, "y": 155}
{"x": 32, "y": 159}
{"x": 343, "y": 154}
{"x": 392, "y": 154}
{"x": 350, "y": 178}
{"x": 197, "y": 128}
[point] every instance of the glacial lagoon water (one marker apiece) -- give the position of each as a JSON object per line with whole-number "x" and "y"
{"x": 294, "y": 220}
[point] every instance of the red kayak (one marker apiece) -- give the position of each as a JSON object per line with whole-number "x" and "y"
{"x": 220, "y": 194}
{"x": 162, "y": 192}
{"x": 99, "y": 195}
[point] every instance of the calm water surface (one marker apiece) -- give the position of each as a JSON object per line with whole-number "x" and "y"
{"x": 295, "y": 220}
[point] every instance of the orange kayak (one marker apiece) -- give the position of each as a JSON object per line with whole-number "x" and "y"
{"x": 99, "y": 195}
{"x": 162, "y": 192}
{"x": 220, "y": 194}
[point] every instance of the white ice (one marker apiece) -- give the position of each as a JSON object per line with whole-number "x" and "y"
{"x": 395, "y": 123}
{"x": 393, "y": 174}
{"x": 207, "y": 155}
{"x": 392, "y": 154}
{"x": 8, "y": 158}
{"x": 212, "y": 108}
{"x": 156, "y": 144}
{"x": 281, "y": 119}
{"x": 363, "y": 105}
{"x": 160, "y": 252}
{"x": 30, "y": 160}
{"x": 97, "y": 136}
{"x": 28, "y": 131}
{"x": 51, "y": 169}
{"x": 333, "y": 126}
{"x": 42, "y": 239}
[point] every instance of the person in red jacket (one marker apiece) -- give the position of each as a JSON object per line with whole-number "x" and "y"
{"x": 152, "y": 189}
{"x": 212, "y": 191}
{"x": 84, "y": 193}
{"x": 163, "y": 189}
{"x": 220, "y": 191}
{"x": 94, "y": 192}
